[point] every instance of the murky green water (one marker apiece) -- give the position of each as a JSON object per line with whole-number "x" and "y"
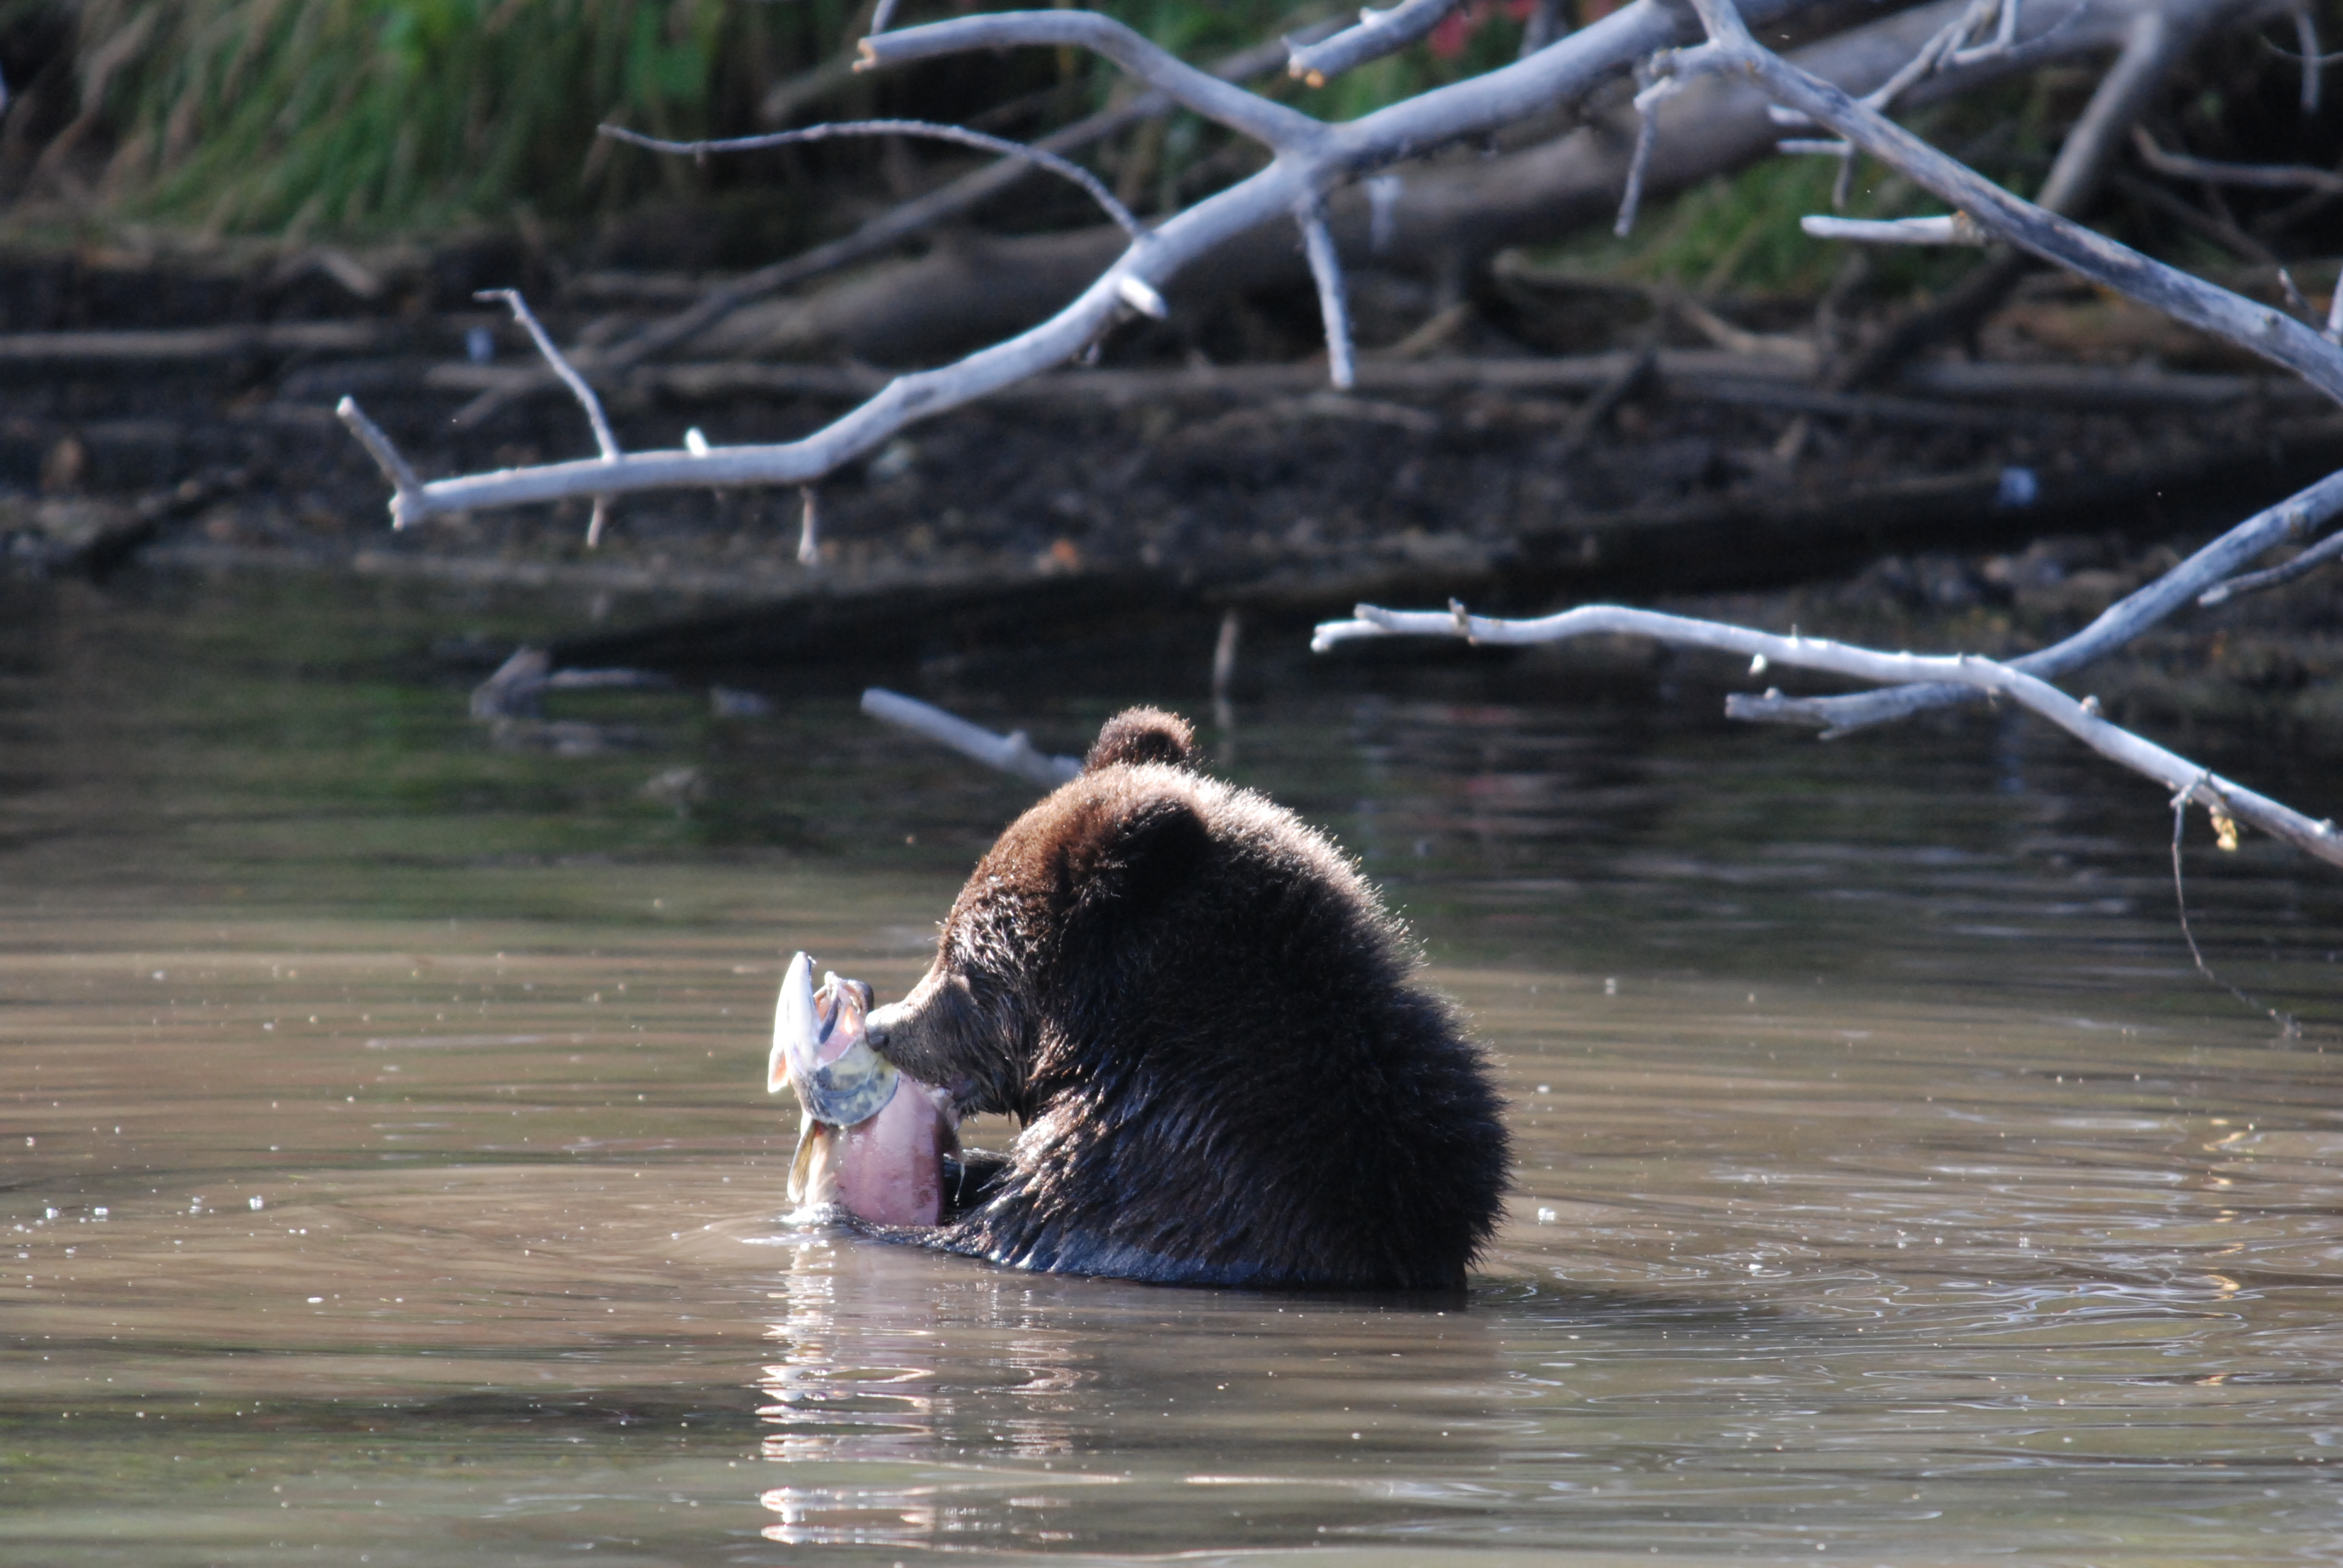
{"x": 390, "y": 1178}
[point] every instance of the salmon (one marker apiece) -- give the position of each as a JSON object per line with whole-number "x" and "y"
{"x": 870, "y": 1139}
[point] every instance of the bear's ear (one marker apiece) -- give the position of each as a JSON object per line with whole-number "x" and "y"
{"x": 1142, "y": 735}
{"x": 1141, "y": 854}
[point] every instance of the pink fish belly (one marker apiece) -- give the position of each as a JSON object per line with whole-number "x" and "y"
{"x": 891, "y": 1168}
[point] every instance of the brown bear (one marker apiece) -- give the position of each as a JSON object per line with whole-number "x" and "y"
{"x": 1205, "y": 1021}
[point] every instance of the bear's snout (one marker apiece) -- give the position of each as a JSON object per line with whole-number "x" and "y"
{"x": 884, "y": 1021}
{"x": 938, "y": 1035}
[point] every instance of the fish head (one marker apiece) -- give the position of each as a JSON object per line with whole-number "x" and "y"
{"x": 821, "y": 1048}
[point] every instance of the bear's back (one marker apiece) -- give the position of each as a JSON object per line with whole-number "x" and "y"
{"x": 1238, "y": 1080}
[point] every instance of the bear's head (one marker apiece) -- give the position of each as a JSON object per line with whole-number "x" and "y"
{"x": 1039, "y": 934}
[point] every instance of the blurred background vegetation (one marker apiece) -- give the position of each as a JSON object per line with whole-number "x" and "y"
{"x": 368, "y": 120}
{"x": 361, "y": 117}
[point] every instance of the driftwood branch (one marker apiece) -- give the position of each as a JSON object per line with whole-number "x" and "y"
{"x": 1732, "y": 49}
{"x": 2291, "y": 521}
{"x": 605, "y": 438}
{"x": 808, "y": 525}
{"x": 1917, "y": 681}
{"x": 406, "y": 484}
{"x": 1311, "y": 155}
{"x": 1011, "y": 753}
{"x": 1956, "y": 228}
{"x": 888, "y": 229}
{"x": 1436, "y": 222}
{"x": 2080, "y": 719}
{"x": 1639, "y": 162}
{"x": 2123, "y": 622}
{"x": 2255, "y": 327}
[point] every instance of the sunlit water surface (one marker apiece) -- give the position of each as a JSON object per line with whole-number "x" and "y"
{"x": 391, "y": 1180}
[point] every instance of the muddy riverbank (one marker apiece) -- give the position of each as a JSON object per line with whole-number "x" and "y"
{"x": 180, "y": 418}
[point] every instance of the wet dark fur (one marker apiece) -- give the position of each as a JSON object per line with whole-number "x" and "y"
{"x": 1206, "y": 1022}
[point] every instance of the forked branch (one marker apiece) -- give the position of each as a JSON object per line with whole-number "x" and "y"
{"x": 2270, "y": 334}
{"x": 2212, "y": 571}
{"x": 1918, "y": 681}
{"x": 2080, "y": 719}
{"x": 1040, "y": 157}
{"x": 1312, "y": 158}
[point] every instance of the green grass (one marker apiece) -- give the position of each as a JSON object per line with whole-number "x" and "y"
{"x": 305, "y": 118}
{"x": 358, "y": 115}
{"x": 367, "y": 117}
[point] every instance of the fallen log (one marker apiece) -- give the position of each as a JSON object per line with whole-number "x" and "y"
{"x": 201, "y": 343}
{"x": 1436, "y": 220}
{"x": 1692, "y": 373}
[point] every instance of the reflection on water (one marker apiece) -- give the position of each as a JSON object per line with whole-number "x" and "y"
{"x": 389, "y": 1177}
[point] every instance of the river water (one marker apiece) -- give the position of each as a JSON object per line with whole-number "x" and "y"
{"x": 391, "y": 1177}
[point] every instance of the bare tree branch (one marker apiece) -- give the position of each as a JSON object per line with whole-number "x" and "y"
{"x": 1923, "y": 682}
{"x": 2260, "y": 176}
{"x": 404, "y": 482}
{"x": 2080, "y": 719}
{"x": 2295, "y": 518}
{"x": 2256, "y": 327}
{"x": 2306, "y": 33}
{"x": 1936, "y": 52}
{"x": 1648, "y": 98}
{"x": 1379, "y": 33}
{"x": 1461, "y": 212}
{"x": 2154, "y": 41}
{"x": 604, "y": 437}
{"x": 1952, "y": 228}
{"x": 2302, "y": 566}
{"x": 2260, "y": 330}
{"x": 808, "y": 525}
{"x": 1040, "y": 157}
{"x": 890, "y": 228}
{"x": 1326, "y": 267}
{"x": 1311, "y": 155}
{"x": 1011, "y": 753}
{"x": 1271, "y": 124}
